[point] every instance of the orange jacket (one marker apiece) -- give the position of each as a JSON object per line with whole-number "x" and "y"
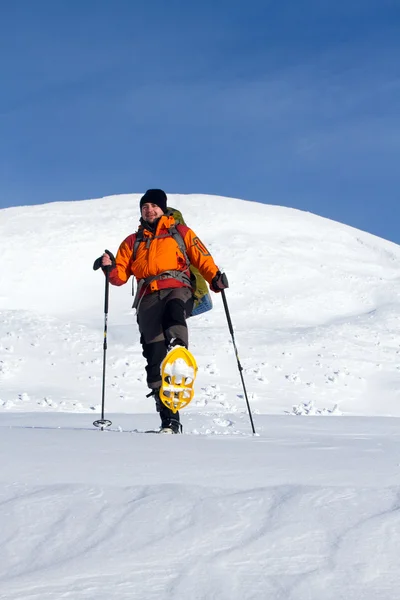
{"x": 160, "y": 255}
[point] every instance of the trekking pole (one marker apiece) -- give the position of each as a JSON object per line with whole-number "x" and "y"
{"x": 228, "y": 318}
{"x": 102, "y": 422}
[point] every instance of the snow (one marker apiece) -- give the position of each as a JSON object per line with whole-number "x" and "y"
{"x": 180, "y": 370}
{"x": 307, "y": 509}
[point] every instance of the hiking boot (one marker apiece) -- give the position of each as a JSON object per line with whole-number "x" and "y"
{"x": 170, "y": 422}
{"x": 168, "y": 418}
{"x": 171, "y": 426}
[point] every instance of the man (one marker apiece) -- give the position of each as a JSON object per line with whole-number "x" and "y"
{"x": 164, "y": 298}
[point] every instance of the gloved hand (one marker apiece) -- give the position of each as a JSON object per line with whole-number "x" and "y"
{"x": 99, "y": 261}
{"x": 219, "y": 282}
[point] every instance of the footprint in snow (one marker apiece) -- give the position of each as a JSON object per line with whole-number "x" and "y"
{"x": 201, "y": 402}
{"x": 211, "y": 369}
{"x": 48, "y": 402}
{"x": 229, "y": 407}
{"x": 8, "y": 404}
{"x": 294, "y": 378}
{"x": 223, "y": 422}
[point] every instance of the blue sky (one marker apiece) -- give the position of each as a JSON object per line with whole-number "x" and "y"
{"x": 284, "y": 102}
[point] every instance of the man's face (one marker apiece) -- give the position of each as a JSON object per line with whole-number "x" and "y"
{"x": 151, "y": 212}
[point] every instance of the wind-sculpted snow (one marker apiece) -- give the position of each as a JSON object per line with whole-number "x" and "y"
{"x": 239, "y": 532}
{"x": 156, "y": 541}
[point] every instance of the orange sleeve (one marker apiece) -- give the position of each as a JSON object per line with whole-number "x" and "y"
{"x": 199, "y": 256}
{"x": 122, "y": 270}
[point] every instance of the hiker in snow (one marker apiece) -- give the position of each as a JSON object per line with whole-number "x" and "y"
{"x": 164, "y": 297}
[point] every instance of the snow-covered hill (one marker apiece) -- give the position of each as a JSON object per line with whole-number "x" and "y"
{"x": 315, "y": 306}
{"x": 308, "y": 509}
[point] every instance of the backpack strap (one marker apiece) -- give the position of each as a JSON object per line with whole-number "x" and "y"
{"x": 175, "y": 233}
{"x": 138, "y": 239}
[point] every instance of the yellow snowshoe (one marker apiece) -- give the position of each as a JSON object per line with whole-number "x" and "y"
{"x": 178, "y": 372}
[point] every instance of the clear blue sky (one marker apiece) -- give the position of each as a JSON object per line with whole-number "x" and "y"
{"x": 280, "y": 101}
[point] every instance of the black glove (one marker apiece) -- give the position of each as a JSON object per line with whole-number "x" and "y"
{"x": 219, "y": 282}
{"x": 97, "y": 263}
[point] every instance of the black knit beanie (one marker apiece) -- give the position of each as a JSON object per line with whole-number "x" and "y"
{"x": 158, "y": 197}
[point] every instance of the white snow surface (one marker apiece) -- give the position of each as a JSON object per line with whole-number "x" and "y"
{"x": 179, "y": 369}
{"x": 306, "y": 509}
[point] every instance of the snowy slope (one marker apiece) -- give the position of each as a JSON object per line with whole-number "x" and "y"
{"x": 314, "y": 304}
{"x": 308, "y": 509}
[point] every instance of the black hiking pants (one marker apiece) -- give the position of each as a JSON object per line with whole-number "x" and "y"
{"x": 161, "y": 317}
